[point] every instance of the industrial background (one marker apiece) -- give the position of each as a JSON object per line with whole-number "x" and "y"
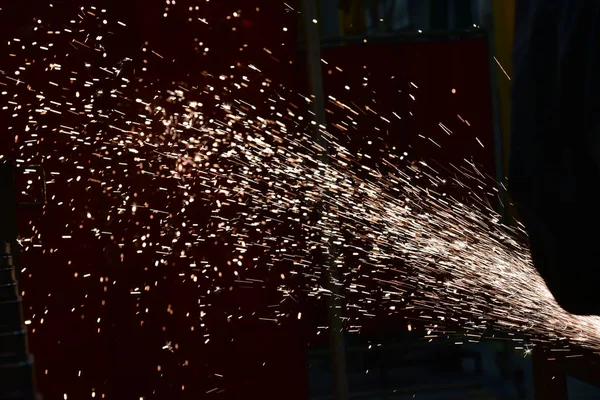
{"x": 86, "y": 338}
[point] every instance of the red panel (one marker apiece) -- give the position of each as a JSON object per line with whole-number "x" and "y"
{"x": 92, "y": 339}
{"x": 451, "y": 87}
{"x": 449, "y": 80}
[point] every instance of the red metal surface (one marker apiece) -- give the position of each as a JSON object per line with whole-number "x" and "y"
{"x": 451, "y": 106}
{"x": 449, "y": 80}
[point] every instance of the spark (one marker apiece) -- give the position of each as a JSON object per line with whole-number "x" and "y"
{"x": 228, "y": 164}
{"x": 502, "y": 68}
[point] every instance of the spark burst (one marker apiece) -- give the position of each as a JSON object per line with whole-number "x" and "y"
{"x": 172, "y": 170}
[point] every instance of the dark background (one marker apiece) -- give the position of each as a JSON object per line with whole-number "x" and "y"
{"x": 118, "y": 357}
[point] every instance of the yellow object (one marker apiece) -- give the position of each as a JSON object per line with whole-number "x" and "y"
{"x": 503, "y": 19}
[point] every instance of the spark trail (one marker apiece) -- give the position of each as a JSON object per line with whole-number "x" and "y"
{"x": 171, "y": 169}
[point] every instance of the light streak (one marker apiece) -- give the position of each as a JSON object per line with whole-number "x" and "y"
{"x": 155, "y": 156}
